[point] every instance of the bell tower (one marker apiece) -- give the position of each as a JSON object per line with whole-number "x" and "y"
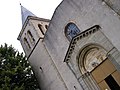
{"x": 33, "y": 30}
{"x": 32, "y": 39}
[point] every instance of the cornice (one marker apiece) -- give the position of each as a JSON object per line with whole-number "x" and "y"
{"x": 77, "y": 38}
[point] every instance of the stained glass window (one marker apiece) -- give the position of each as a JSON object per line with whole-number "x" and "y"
{"x": 71, "y": 30}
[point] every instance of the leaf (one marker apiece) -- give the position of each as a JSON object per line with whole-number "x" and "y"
{"x": 15, "y": 70}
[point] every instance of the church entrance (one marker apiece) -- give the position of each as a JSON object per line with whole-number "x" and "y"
{"x": 96, "y": 66}
{"x": 106, "y": 76}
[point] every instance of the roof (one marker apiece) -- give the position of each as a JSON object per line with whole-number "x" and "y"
{"x": 25, "y": 13}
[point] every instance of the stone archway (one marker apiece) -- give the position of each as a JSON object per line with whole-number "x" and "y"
{"x": 90, "y": 56}
{"x": 95, "y": 66}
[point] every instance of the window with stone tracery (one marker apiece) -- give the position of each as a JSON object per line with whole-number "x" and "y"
{"x": 71, "y": 30}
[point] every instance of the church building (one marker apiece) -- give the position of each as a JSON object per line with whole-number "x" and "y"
{"x": 78, "y": 49}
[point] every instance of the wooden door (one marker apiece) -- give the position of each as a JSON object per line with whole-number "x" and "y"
{"x": 106, "y": 76}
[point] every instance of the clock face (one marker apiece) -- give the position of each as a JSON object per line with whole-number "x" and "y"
{"x": 72, "y": 30}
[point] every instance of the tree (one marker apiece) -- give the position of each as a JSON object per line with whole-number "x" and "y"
{"x": 15, "y": 70}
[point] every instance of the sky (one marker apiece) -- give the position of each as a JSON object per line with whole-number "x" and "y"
{"x": 10, "y": 17}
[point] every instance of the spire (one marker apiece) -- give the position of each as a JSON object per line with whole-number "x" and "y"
{"x": 25, "y": 13}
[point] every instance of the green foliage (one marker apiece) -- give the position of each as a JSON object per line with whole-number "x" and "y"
{"x": 15, "y": 71}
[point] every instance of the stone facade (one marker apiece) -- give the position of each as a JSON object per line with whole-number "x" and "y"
{"x": 62, "y": 64}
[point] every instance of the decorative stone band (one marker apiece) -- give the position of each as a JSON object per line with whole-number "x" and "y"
{"x": 78, "y": 37}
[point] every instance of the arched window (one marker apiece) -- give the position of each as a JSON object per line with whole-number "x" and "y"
{"x": 32, "y": 40}
{"x": 46, "y": 26}
{"x": 41, "y": 28}
{"x": 71, "y": 30}
{"x": 26, "y": 43}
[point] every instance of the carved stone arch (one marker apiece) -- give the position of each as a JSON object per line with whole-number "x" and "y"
{"x": 90, "y": 54}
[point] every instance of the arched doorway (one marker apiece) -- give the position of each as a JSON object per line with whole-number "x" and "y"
{"x": 93, "y": 60}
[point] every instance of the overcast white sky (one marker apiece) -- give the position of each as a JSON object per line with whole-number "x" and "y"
{"x": 10, "y": 17}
